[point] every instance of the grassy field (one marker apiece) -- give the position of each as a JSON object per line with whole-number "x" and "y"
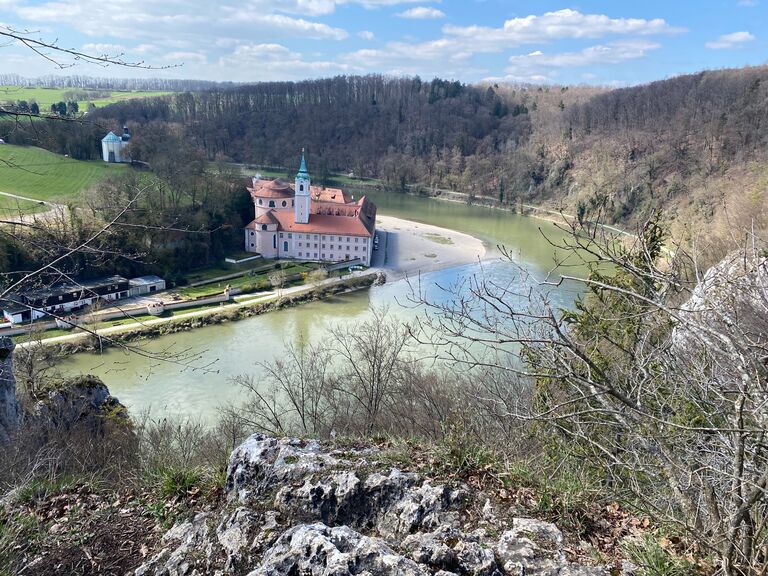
{"x": 42, "y": 175}
{"x": 47, "y": 96}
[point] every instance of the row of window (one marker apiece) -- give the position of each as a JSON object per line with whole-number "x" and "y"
{"x": 323, "y": 246}
{"x": 331, "y": 238}
{"x": 272, "y": 203}
{"x": 309, "y": 255}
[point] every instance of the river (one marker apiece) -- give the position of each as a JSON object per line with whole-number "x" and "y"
{"x": 217, "y": 353}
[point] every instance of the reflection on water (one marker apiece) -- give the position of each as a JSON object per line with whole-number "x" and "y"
{"x": 227, "y": 350}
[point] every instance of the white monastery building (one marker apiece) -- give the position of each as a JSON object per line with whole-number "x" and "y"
{"x": 113, "y": 146}
{"x": 309, "y": 222}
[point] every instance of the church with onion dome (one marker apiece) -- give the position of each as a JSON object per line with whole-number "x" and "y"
{"x": 306, "y": 222}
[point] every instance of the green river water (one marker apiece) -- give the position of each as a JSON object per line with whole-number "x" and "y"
{"x": 223, "y": 351}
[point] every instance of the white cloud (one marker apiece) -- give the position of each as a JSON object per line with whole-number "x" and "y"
{"x": 379, "y": 3}
{"x": 733, "y": 40}
{"x": 366, "y": 35}
{"x": 539, "y": 66}
{"x": 318, "y": 7}
{"x": 288, "y": 25}
{"x": 749, "y": 3}
{"x": 612, "y": 53}
{"x": 459, "y": 44}
{"x": 256, "y": 62}
{"x": 186, "y": 58}
{"x": 562, "y": 24}
{"x": 127, "y": 19}
{"x": 103, "y": 49}
{"x": 422, "y": 13}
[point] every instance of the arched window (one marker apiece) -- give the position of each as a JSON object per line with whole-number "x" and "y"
{"x": 263, "y": 226}
{"x": 285, "y": 246}
{"x": 285, "y": 203}
{"x": 301, "y": 187}
{"x": 260, "y": 202}
{"x": 271, "y": 203}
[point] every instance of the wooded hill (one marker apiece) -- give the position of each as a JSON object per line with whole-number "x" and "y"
{"x": 690, "y": 144}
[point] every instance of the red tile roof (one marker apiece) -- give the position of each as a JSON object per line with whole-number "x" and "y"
{"x": 353, "y": 218}
{"x": 335, "y": 195}
{"x": 325, "y": 224}
{"x": 276, "y": 188}
{"x": 267, "y": 218}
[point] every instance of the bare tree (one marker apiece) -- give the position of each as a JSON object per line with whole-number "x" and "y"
{"x": 357, "y": 381}
{"x": 295, "y": 396}
{"x": 656, "y": 380}
{"x": 373, "y": 357}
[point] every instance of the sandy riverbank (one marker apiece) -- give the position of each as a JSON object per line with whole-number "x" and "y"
{"x": 411, "y": 247}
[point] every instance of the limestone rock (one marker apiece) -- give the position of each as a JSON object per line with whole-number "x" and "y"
{"x": 261, "y": 462}
{"x": 423, "y": 508}
{"x": 318, "y": 550}
{"x": 183, "y": 545}
{"x": 78, "y": 402}
{"x": 531, "y": 548}
{"x": 10, "y": 410}
{"x": 450, "y": 550}
{"x": 295, "y": 508}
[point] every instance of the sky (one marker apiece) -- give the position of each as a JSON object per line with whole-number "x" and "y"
{"x": 604, "y": 42}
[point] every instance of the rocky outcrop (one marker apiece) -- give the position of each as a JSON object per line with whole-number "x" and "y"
{"x": 82, "y": 402}
{"x": 731, "y": 298}
{"x": 297, "y": 508}
{"x": 10, "y": 410}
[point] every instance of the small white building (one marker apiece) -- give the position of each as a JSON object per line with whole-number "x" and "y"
{"x": 113, "y": 147}
{"x": 146, "y": 285}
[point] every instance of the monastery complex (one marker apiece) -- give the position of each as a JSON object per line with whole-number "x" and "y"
{"x": 309, "y": 222}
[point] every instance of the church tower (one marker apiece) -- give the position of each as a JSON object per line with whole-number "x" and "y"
{"x": 302, "y": 193}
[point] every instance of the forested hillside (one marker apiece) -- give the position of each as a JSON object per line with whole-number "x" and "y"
{"x": 691, "y": 144}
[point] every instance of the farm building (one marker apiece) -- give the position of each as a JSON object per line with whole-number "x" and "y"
{"x": 113, "y": 146}
{"x": 146, "y": 285}
{"x": 64, "y": 298}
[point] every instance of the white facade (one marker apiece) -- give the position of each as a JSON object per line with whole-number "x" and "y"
{"x": 303, "y": 199}
{"x": 113, "y": 147}
{"x": 146, "y": 285}
{"x": 309, "y": 247}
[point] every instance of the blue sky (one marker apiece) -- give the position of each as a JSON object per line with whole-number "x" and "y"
{"x": 592, "y": 41}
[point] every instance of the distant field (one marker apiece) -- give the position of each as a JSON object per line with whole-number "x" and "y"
{"x": 47, "y": 96}
{"x": 42, "y": 175}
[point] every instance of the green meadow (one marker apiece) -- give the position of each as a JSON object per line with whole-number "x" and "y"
{"x": 47, "y": 96}
{"x": 36, "y": 173}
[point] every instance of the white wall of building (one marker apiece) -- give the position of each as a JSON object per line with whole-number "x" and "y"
{"x": 303, "y": 201}
{"x": 324, "y": 247}
{"x": 117, "y": 147}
